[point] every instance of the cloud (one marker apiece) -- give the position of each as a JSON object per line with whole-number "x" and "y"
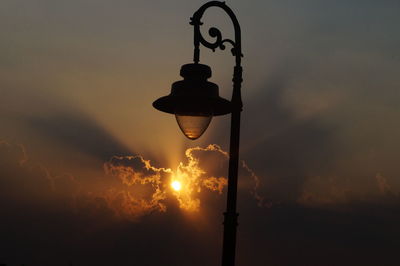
{"x": 136, "y": 173}
{"x": 137, "y": 187}
{"x": 286, "y": 147}
{"x": 78, "y": 132}
{"x": 362, "y": 232}
{"x": 255, "y": 191}
{"x": 202, "y": 169}
{"x": 46, "y": 206}
{"x": 382, "y": 184}
{"x": 24, "y": 178}
{"x": 74, "y": 222}
{"x": 331, "y": 191}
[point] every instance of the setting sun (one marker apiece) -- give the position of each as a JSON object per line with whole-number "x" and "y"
{"x": 176, "y": 185}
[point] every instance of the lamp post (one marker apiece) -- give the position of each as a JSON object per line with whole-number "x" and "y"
{"x": 194, "y": 100}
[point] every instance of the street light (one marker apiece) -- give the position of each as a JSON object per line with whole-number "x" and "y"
{"x": 194, "y": 101}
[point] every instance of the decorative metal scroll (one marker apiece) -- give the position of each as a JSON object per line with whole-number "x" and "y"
{"x": 215, "y": 33}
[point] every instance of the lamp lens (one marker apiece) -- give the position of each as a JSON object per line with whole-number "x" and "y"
{"x": 193, "y": 126}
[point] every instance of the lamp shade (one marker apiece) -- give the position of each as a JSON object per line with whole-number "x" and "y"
{"x": 194, "y": 100}
{"x": 193, "y": 126}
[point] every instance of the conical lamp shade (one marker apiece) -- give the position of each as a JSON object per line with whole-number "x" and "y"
{"x": 194, "y": 100}
{"x": 195, "y": 94}
{"x": 193, "y": 126}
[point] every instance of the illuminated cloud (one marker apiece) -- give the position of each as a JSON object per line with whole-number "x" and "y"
{"x": 382, "y": 184}
{"x": 193, "y": 175}
{"x": 261, "y": 202}
{"x": 137, "y": 187}
{"x": 25, "y": 179}
{"x": 144, "y": 190}
{"x": 24, "y": 157}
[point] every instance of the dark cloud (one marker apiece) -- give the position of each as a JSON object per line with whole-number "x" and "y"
{"x": 291, "y": 148}
{"x": 49, "y": 219}
{"x": 358, "y": 233}
{"x": 78, "y": 132}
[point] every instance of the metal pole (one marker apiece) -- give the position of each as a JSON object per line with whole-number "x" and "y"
{"x": 230, "y": 216}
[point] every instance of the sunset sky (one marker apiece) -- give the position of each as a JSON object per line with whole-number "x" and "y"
{"x": 87, "y": 165}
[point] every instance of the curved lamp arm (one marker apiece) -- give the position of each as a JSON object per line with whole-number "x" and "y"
{"x": 216, "y": 33}
{"x": 220, "y": 43}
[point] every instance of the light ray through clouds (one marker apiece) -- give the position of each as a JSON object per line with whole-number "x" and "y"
{"x": 192, "y": 176}
{"x": 139, "y": 187}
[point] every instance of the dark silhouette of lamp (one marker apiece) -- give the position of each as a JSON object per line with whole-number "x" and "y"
{"x": 194, "y": 100}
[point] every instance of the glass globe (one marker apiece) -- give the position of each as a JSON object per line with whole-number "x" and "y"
{"x": 193, "y": 126}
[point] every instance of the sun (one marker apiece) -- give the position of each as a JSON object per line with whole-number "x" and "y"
{"x": 176, "y": 185}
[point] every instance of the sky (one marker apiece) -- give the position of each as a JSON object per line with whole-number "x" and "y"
{"x": 86, "y": 162}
